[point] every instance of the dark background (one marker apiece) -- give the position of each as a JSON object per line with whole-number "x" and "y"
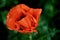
{"x": 49, "y": 24}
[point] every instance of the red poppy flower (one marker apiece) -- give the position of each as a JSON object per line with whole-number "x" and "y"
{"x": 23, "y": 18}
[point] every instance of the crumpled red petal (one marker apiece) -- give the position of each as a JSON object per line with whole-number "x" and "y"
{"x": 23, "y": 18}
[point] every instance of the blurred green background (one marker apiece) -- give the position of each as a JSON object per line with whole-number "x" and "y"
{"x": 49, "y": 23}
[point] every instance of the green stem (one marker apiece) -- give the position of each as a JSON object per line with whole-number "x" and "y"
{"x": 30, "y": 37}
